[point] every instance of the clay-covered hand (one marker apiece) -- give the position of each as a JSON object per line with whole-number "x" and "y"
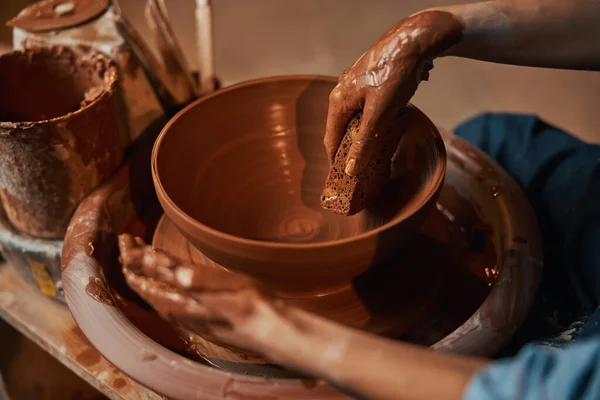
{"x": 205, "y": 300}
{"x": 231, "y": 308}
{"x": 384, "y": 79}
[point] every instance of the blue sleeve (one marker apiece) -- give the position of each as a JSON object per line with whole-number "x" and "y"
{"x": 537, "y": 373}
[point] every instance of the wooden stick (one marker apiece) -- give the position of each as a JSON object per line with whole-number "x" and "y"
{"x": 158, "y": 79}
{"x": 170, "y": 49}
{"x": 205, "y": 43}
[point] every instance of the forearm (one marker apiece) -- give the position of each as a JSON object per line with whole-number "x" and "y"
{"x": 366, "y": 365}
{"x": 541, "y": 33}
{"x": 229, "y": 308}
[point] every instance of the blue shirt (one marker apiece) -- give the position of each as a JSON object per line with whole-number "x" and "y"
{"x": 538, "y": 373}
{"x": 558, "y": 347}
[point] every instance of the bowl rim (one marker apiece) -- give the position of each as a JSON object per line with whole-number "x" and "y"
{"x": 189, "y": 220}
{"x": 111, "y": 74}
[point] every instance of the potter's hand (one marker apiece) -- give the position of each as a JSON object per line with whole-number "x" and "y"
{"x": 231, "y": 308}
{"x": 384, "y": 79}
{"x": 205, "y": 300}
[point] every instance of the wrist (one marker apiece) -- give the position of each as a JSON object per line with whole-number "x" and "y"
{"x": 291, "y": 337}
{"x": 435, "y": 31}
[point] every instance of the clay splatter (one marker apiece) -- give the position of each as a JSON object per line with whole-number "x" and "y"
{"x": 98, "y": 291}
{"x": 88, "y": 357}
{"x": 119, "y": 383}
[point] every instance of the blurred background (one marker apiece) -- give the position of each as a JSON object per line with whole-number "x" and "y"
{"x": 256, "y": 38}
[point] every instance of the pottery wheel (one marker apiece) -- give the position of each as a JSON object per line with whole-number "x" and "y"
{"x": 482, "y": 237}
{"x": 388, "y": 299}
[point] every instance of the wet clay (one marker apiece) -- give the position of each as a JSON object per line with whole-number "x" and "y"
{"x": 119, "y": 383}
{"x": 381, "y": 82}
{"x": 153, "y": 326}
{"x": 47, "y": 15}
{"x": 245, "y": 186}
{"x": 60, "y": 134}
{"x": 148, "y": 321}
{"x": 179, "y": 291}
{"x": 88, "y": 358}
{"x": 98, "y": 291}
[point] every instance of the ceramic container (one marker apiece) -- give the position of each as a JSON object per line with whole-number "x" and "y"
{"x": 91, "y": 25}
{"x": 61, "y": 134}
{"x": 240, "y": 172}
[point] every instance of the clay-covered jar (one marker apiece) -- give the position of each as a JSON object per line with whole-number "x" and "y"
{"x": 60, "y": 134}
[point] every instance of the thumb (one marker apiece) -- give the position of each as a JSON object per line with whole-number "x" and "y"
{"x": 342, "y": 105}
{"x": 363, "y": 141}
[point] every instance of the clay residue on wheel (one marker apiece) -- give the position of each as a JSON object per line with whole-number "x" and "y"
{"x": 99, "y": 292}
{"x": 60, "y": 134}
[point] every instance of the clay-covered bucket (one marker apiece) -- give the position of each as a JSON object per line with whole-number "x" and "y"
{"x": 60, "y": 134}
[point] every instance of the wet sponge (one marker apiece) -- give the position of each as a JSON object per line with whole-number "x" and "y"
{"x": 348, "y": 195}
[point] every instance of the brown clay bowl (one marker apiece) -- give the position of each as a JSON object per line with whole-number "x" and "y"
{"x": 240, "y": 173}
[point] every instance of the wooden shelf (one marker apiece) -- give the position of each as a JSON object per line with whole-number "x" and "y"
{"x": 49, "y": 324}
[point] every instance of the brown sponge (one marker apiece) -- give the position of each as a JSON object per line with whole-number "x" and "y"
{"x": 348, "y": 195}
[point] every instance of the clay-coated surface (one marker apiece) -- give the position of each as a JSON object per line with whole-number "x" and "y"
{"x": 60, "y": 134}
{"x": 240, "y": 173}
{"x": 380, "y": 84}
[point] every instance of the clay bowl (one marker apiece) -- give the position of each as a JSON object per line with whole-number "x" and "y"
{"x": 240, "y": 173}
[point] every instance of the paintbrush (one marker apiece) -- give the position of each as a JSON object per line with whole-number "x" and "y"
{"x": 174, "y": 61}
{"x": 205, "y": 43}
{"x": 159, "y": 80}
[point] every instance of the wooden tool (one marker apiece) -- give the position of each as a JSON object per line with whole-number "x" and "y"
{"x": 205, "y": 43}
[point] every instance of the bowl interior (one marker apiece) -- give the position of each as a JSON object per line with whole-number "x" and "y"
{"x": 249, "y": 161}
{"x": 45, "y": 83}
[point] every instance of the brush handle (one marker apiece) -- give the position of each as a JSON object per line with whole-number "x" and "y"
{"x": 174, "y": 61}
{"x": 205, "y": 43}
